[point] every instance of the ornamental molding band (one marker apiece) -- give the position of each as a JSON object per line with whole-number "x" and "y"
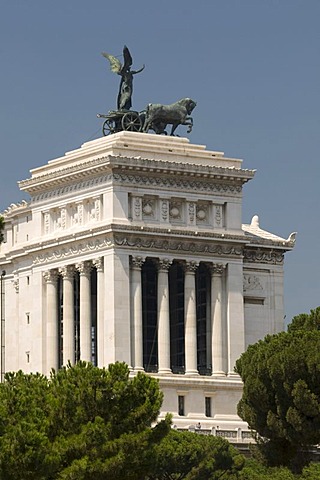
{"x": 73, "y": 250}
{"x": 177, "y": 184}
{"x": 75, "y": 187}
{"x": 102, "y": 165}
{"x": 139, "y": 180}
{"x": 156, "y": 244}
{"x": 263, "y": 256}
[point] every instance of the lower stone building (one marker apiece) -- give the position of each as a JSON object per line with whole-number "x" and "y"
{"x": 132, "y": 248}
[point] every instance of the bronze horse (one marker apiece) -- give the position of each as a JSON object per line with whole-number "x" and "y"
{"x": 158, "y": 116}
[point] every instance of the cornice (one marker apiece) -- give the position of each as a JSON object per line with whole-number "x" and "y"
{"x": 89, "y": 168}
{"x": 149, "y": 239}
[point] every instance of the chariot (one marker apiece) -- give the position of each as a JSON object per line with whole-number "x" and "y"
{"x": 119, "y": 120}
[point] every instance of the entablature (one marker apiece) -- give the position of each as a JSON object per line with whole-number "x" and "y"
{"x": 53, "y": 178}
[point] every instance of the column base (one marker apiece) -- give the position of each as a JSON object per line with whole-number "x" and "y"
{"x": 234, "y": 375}
{"x": 219, "y": 373}
{"x": 191, "y": 372}
{"x": 164, "y": 371}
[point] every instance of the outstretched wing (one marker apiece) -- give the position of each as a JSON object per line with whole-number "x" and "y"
{"x": 126, "y": 58}
{"x": 115, "y": 64}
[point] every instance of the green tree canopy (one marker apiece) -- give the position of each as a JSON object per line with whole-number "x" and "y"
{"x": 305, "y": 321}
{"x": 281, "y": 393}
{"x": 190, "y": 456}
{"x": 82, "y": 423}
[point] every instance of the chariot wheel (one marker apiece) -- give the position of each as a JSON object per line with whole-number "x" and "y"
{"x": 131, "y": 122}
{"x": 108, "y": 127}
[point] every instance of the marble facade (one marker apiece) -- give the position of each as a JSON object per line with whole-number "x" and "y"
{"x": 132, "y": 220}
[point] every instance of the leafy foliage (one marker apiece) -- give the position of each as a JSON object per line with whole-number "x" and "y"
{"x": 281, "y": 395}
{"x": 186, "y": 455}
{"x": 83, "y": 423}
{"x": 305, "y": 321}
{"x": 253, "y": 470}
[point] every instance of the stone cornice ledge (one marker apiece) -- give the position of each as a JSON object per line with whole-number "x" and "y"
{"x": 90, "y": 168}
{"x": 195, "y": 381}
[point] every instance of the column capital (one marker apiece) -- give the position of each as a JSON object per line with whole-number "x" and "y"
{"x": 190, "y": 267}
{"x": 164, "y": 264}
{"x": 67, "y": 272}
{"x": 51, "y": 276}
{"x": 84, "y": 268}
{"x": 98, "y": 264}
{"x": 217, "y": 268}
{"x": 136, "y": 262}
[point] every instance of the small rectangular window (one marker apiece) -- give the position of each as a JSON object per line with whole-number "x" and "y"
{"x": 181, "y": 405}
{"x": 28, "y": 318}
{"x": 28, "y": 357}
{"x": 28, "y": 280}
{"x": 208, "y": 406}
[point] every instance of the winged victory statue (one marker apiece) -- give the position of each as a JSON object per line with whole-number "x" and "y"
{"x": 126, "y": 85}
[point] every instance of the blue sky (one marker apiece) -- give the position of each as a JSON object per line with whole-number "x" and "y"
{"x": 252, "y": 66}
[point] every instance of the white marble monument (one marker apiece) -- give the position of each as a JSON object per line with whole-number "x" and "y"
{"x": 132, "y": 248}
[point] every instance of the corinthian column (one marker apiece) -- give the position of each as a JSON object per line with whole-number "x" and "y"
{"x": 163, "y": 316}
{"x": 84, "y": 269}
{"x": 68, "y": 315}
{"x": 136, "y": 313}
{"x": 98, "y": 263}
{"x": 218, "y": 329}
{"x": 51, "y": 278}
{"x": 190, "y": 318}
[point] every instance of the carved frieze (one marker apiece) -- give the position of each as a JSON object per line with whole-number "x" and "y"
{"x": 72, "y": 187}
{"x": 73, "y": 250}
{"x": 159, "y": 244}
{"x": 263, "y": 256}
{"x": 177, "y": 184}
